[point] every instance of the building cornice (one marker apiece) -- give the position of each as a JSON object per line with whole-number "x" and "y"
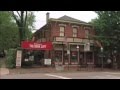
{"x": 51, "y": 19}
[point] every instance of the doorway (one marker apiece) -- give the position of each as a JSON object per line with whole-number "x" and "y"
{"x": 38, "y": 58}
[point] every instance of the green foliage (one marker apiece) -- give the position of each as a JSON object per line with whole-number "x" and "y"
{"x": 107, "y": 27}
{"x": 8, "y": 31}
{"x": 25, "y": 23}
{"x": 11, "y": 58}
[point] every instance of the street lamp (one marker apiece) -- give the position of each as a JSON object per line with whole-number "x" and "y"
{"x": 78, "y": 53}
{"x": 68, "y": 50}
{"x": 102, "y": 55}
{"x": 101, "y": 49}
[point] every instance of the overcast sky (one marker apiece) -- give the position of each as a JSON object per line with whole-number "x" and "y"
{"x": 81, "y": 15}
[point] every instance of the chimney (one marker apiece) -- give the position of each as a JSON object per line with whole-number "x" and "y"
{"x": 47, "y": 17}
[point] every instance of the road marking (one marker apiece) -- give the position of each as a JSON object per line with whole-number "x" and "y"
{"x": 106, "y": 77}
{"x": 111, "y": 73}
{"x": 57, "y": 76}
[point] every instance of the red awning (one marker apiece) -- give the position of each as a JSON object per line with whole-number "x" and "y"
{"x": 37, "y": 45}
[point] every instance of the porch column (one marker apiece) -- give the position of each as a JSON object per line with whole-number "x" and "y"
{"x": 85, "y": 58}
{"x": 69, "y": 62}
{"x": 78, "y": 51}
{"x": 62, "y": 53}
{"x": 93, "y": 57}
{"x": 79, "y": 55}
{"x": 53, "y": 54}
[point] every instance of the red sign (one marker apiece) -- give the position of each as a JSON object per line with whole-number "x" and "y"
{"x": 37, "y": 45}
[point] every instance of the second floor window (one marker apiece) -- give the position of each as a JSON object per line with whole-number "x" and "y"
{"x": 74, "y": 32}
{"x": 62, "y": 31}
{"x": 86, "y": 33}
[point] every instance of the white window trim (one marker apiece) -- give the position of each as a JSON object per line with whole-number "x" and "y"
{"x": 64, "y": 25}
{"x": 86, "y": 28}
{"x": 74, "y": 35}
{"x": 75, "y": 26}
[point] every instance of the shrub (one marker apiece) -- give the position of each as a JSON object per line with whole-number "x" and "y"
{"x": 11, "y": 58}
{"x": 27, "y": 63}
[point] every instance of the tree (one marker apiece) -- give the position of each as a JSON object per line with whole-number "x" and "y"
{"x": 8, "y": 31}
{"x": 24, "y": 21}
{"x": 107, "y": 27}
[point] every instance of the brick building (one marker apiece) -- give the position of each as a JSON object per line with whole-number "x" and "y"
{"x": 70, "y": 38}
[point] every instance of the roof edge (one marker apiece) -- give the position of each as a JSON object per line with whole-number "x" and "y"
{"x": 52, "y": 19}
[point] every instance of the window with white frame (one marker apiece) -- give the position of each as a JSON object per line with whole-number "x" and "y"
{"x": 62, "y": 30}
{"x": 74, "y": 32}
{"x": 86, "y": 33}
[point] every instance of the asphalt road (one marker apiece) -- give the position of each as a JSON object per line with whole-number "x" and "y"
{"x": 65, "y": 75}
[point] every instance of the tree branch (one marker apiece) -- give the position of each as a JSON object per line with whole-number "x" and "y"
{"x": 18, "y": 13}
{"x": 25, "y": 18}
{"x": 22, "y": 15}
{"x": 14, "y": 16}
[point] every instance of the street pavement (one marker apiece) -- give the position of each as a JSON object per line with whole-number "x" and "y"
{"x": 64, "y": 75}
{"x": 3, "y": 69}
{"x": 51, "y": 73}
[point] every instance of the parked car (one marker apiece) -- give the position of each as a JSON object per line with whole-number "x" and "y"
{"x": 2, "y": 53}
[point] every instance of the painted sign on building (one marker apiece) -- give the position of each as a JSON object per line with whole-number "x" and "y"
{"x": 59, "y": 38}
{"x": 47, "y": 61}
{"x": 87, "y": 47}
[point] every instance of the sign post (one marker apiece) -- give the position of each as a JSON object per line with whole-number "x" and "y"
{"x": 18, "y": 58}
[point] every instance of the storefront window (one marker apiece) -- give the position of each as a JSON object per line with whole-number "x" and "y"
{"x": 58, "y": 56}
{"x": 89, "y": 57}
{"x": 82, "y": 58}
{"x": 74, "y": 56}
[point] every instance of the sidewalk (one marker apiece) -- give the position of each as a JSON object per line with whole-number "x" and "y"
{"x": 53, "y": 70}
{"x": 32, "y": 70}
{"x": 3, "y": 69}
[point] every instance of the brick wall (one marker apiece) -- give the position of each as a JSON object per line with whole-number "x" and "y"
{"x": 54, "y": 31}
{"x": 68, "y": 30}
